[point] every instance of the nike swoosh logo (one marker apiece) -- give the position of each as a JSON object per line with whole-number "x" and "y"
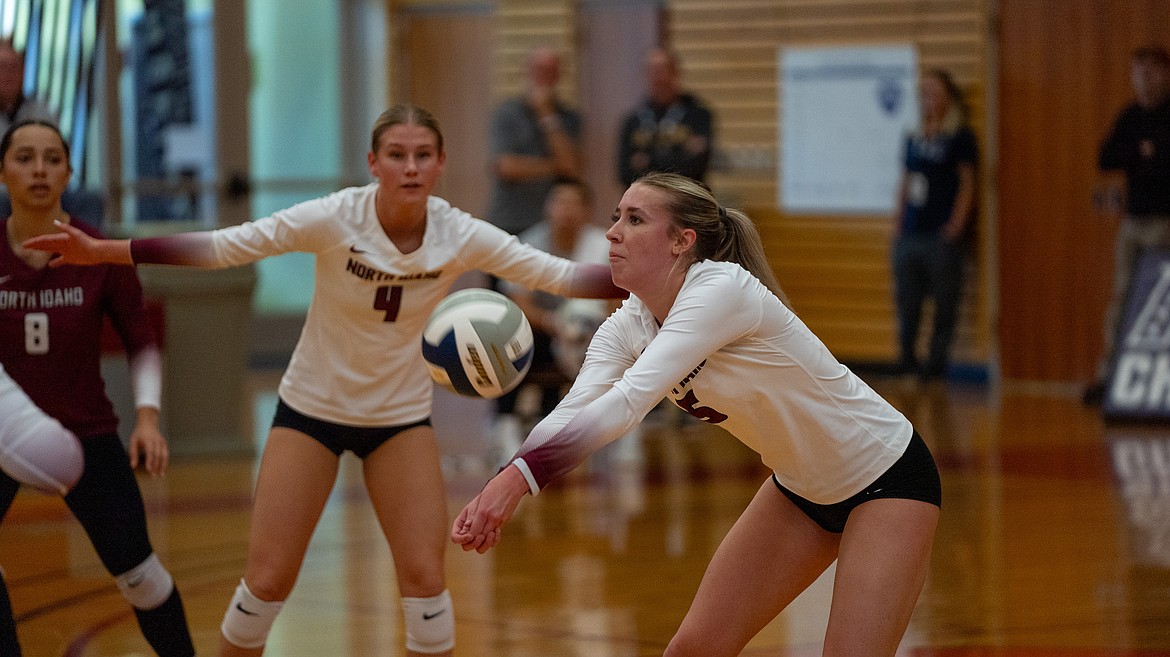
{"x": 245, "y": 611}
{"x": 354, "y": 249}
{"x": 427, "y": 616}
{"x": 5, "y": 279}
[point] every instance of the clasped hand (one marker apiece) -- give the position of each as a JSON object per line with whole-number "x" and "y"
{"x": 479, "y": 523}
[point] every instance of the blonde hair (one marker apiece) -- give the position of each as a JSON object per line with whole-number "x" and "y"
{"x": 405, "y": 114}
{"x": 721, "y": 234}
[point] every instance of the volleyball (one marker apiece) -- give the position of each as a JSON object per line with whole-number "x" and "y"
{"x": 477, "y": 343}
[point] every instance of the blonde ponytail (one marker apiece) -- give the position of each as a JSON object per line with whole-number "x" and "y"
{"x": 721, "y": 234}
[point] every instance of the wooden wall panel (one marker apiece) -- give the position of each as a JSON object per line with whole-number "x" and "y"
{"x": 1064, "y": 74}
{"x": 449, "y": 82}
{"x": 522, "y": 25}
{"x": 835, "y": 268}
{"x": 612, "y": 41}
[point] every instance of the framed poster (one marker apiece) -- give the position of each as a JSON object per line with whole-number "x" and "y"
{"x": 844, "y": 115}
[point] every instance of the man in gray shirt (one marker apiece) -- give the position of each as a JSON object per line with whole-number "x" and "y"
{"x": 534, "y": 140}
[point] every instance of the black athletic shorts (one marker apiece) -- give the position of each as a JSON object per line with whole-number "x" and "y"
{"x": 914, "y": 476}
{"x": 337, "y": 438}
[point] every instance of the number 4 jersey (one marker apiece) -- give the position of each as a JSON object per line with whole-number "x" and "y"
{"x": 359, "y": 358}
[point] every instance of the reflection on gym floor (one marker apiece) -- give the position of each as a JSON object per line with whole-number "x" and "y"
{"x": 1054, "y": 541}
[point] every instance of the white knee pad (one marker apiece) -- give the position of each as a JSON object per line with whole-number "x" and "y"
{"x": 146, "y": 585}
{"x": 430, "y": 623}
{"x": 248, "y": 619}
{"x": 34, "y": 448}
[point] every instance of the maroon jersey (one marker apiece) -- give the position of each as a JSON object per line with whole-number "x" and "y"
{"x": 50, "y": 333}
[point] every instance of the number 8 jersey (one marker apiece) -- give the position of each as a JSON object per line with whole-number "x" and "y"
{"x": 51, "y": 324}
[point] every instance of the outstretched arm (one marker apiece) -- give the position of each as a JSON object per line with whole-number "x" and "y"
{"x": 74, "y": 247}
{"x": 594, "y": 281}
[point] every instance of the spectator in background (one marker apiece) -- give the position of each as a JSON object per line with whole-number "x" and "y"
{"x": 533, "y": 141}
{"x": 14, "y": 105}
{"x": 671, "y": 131}
{"x": 935, "y": 208}
{"x": 1138, "y": 150}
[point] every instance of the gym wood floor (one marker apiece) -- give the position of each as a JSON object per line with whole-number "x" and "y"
{"x": 1054, "y": 542}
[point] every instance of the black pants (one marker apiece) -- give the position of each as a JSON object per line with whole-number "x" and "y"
{"x": 107, "y": 503}
{"x": 927, "y": 266}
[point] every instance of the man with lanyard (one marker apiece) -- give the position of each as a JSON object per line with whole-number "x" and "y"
{"x": 671, "y": 131}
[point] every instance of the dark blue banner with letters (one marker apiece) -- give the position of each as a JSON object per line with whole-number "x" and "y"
{"x": 163, "y": 98}
{"x": 1139, "y": 387}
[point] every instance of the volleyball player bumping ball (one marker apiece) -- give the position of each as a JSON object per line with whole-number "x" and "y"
{"x": 386, "y": 254}
{"x": 706, "y": 325}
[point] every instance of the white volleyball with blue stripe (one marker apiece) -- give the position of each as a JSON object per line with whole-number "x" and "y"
{"x": 477, "y": 343}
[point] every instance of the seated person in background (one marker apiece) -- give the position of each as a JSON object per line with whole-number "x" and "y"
{"x": 561, "y": 328}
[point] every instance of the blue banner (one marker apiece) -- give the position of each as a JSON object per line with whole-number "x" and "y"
{"x": 162, "y": 98}
{"x": 1139, "y": 387}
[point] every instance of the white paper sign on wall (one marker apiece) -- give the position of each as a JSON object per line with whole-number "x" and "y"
{"x": 844, "y": 115}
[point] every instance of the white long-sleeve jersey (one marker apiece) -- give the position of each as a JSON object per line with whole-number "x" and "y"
{"x": 729, "y": 353}
{"x": 359, "y": 358}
